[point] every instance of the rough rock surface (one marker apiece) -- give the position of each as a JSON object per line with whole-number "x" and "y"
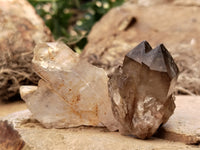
{"x": 183, "y": 125}
{"x": 20, "y": 30}
{"x": 142, "y": 90}
{"x": 112, "y": 37}
{"x": 159, "y": 2}
{"x": 9, "y": 137}
{"x": 71, "y": 93}
{"x": 187, "y": 2}
{"x": 86, "y": 138}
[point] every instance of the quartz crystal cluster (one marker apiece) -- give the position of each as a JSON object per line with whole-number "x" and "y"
{"x": 136, "y": 100}
{"x": 141, "y": 90}
{"x": 71, "y": 92}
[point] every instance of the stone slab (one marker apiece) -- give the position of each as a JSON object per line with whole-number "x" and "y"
{"x": 184, "y": 124}
{"x": 182, "y": 127}
{"x": 83, "y": 138}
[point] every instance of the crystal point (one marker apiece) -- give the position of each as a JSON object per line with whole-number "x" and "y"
{"x": 71, "y": 92}
{"x": 139, "y": 51}
{"x": 142, "y": 91}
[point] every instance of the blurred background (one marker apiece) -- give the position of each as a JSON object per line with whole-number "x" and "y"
{"x": 25, "y": 23}
{"x": 72, "y": 20}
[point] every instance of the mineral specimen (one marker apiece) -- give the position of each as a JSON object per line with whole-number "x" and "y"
{"x": 141, "y": 90}
{"x": 71, "y": 92}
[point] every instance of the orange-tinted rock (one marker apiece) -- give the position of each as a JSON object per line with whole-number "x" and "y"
{"x": 142, "y": 90}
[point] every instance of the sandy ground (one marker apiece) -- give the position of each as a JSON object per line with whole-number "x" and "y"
{"x": 6, "y": 109}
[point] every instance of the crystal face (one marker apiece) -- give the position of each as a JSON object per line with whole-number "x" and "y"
{"x": 71, "y": 92}
{"x": 141, "y": 90}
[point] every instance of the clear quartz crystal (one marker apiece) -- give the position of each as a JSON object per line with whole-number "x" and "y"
{"x": 142, "y": 90}
{"x": 71, "y": 92}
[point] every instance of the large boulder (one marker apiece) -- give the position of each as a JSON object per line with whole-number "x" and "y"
{"x": 20, "y": 30}
{"x": 176, "y": 24}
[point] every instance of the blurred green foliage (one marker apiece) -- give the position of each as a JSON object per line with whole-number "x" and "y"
{"x": 72, "y": 20}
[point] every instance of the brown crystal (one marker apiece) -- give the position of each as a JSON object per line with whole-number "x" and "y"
{"x": 142, "y": 90}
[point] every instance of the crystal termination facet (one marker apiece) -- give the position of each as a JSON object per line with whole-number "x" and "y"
{"x": 141, "y": 90}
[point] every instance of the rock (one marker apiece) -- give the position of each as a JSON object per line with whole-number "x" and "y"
{"x": 112, "y": 37}
{"x": 183, "y": 125}
{"x": 187, "y": 2}
{"x": 160, "y": 2}
{"x": 9, "y": 137}
{"x": 142, "y": 90}
{"x": 84, "y": 138}
{"x": 20, "y": 30}
{"x": 71, "y": 93}
{"x": 150, "y": 2}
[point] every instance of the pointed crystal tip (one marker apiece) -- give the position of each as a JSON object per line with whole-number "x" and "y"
{"x": 139, "y": 51}
{"x": 157, "y": 59}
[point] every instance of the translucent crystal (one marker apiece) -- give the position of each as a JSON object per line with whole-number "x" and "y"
{"x": 142, "y": 90}
{"x": 71, "y": 92}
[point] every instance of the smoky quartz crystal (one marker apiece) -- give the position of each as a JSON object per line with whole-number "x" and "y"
{"x": 141, "y": 90}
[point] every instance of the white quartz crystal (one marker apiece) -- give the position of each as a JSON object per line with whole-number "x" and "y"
{"x": 71, "y": 92}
